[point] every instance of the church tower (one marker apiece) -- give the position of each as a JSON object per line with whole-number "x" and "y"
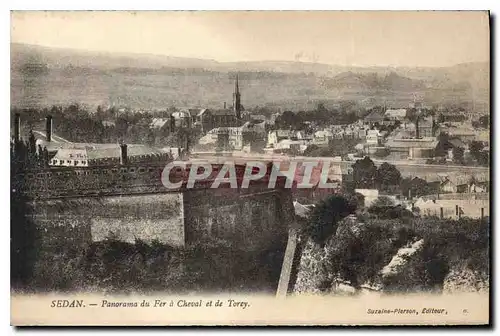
{"x": 237, "y": 99}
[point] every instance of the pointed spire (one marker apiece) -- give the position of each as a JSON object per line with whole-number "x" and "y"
{"x": 237, "y": 99}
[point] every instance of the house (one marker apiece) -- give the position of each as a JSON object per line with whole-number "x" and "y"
{"x": 209, "y": 119}
{"x": 370, "y": 195}
{"x": 374, "y": 117}
{"x": 425, "y": 127}
{"x": 373, "y": 137}
{"x": 465, "y": 132}
{"x": 85, "y": 155}
{"x": 395, "y": 114}
{"x": 234, "y": 137}
{"x": 412, "y": 148}
{"x": 458, "y": 182}
{"x": 480, "y": 183}
{"x": 183, "y": 118}
{"x": 322, "y": 138}
{"x": 224, "y": 137}
{"x": 276, "y": 136}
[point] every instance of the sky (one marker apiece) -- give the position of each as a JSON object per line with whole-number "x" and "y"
{"x": 341, "y": 38}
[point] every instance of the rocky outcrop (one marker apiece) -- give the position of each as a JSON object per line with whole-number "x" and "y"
{"x": 312, "y": 274}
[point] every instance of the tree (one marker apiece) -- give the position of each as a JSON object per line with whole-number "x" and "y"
{"x": 387, "y": 176}
{"x": 443, "y": 144}
{"x": 382, "y": 201}
{"x": 475, "y": 149}
{"x": 288, "y": 119}
{"x": 415, "y": 187}
{"x": 364, "y": 173}
{"x": 458, "y": 155}
{"x": 325, "y": 217}
{"x": 484, "y": 121}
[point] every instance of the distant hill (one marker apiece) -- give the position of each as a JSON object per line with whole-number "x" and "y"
{"x": 42, "y": 76}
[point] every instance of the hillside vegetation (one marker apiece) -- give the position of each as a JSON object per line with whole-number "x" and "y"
{"x": 44, "y": 77}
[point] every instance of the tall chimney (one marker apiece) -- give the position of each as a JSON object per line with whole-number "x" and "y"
{"x": 417, "y": 128}
{"x": 172, "y": 123}
{"x": 48, "y": 128}
{"x": 123, "y": 154}
{"x": 224, "y": 105}
{"x": 17, "y": 128}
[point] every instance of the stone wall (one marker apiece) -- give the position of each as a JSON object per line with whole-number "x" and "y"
{"x": 252, "y": 219}
{"x": 470, "y": 208}
{"x": 145, "y": 217}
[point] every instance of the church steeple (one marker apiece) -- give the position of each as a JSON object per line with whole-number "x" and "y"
{"x": 237, "y": 99}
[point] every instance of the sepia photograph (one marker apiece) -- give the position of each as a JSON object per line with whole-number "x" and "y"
{"x": 238, "y": 167}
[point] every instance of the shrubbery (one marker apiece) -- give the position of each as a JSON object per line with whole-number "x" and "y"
{"x": 356, "y": 250}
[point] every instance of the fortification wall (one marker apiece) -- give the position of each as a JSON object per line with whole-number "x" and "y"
{"x": 253, "y": 219}
{"x": 145, "y": 217}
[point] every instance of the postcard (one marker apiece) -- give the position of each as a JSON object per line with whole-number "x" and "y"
{"x": 250, "y": 168}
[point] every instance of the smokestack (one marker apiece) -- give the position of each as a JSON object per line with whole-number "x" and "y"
{"x": 417, "y": 129}
{"x": 123, "y": 154}
{"x": 172, "y": 123}
{"x": 48, "y": 128}
{"x": 224, "y": 105}
{"x": 17, "y": 128}
{"x": 442, "y": 213}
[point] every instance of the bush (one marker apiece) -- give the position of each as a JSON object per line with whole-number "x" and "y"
{"x": 325, "y": 217}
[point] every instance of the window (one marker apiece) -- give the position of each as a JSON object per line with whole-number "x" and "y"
{"x": 84, "y": 162}
{"x": 142, "y": 170}
{"x": 76, "y": 162}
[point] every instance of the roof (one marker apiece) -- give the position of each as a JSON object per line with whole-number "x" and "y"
{"x": 223, "y": 112}
{"x": 158, "y": 122}
{"x": 258, "y": 117}
{"x": 41, "y": 135}
{"x": 301, "y": 210}
{"x": 226, "y": 130}
{"x": 459, "y": 130}
{"x": 374, "y": 116}
{"x": 181, "y": 114}
{"x": 457, "y": 143}
{"x": 323, "y": 134}
{"x": 92, "y": 152}
{"x": 431, "y": 177}
{"x": 396, "y": 113}
{"x": 457, "y": 178}
{"x": 201, "y": 112}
